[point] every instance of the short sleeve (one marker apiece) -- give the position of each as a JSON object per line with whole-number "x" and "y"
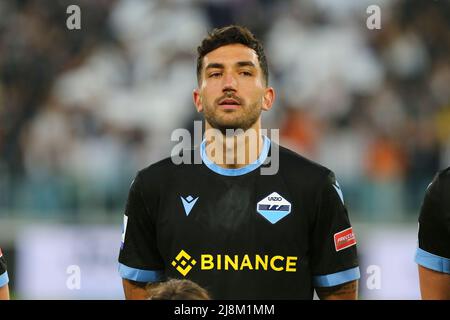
{"x": 3, "y": 272}
{"x": 334, "y": 257}
{"x": 139, "y": 258}
{"x": 433, "y": 251}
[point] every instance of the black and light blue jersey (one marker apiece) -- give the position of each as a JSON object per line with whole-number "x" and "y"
{"x": 3, "y": 273}
{"x": 433, "y": 251}
{"x": 236, "y": 232}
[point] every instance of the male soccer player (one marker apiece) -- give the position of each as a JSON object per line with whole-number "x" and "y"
{"x": 4, "y": 291}
{"x": 433, "y": 253}
{"x": 235, "y": 231}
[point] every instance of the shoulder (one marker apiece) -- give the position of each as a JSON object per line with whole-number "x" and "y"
{"x": 436, "y": 203}
{"x": 294, "y": 164}
{"x": 156, "y": 170}
{"x": 440, "y": 183}
{"x": 167, "y": 169}
{"x": 2, "y": 264}
{"x": 443, "y": 178}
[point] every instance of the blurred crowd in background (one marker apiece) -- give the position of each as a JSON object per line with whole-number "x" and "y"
{"x": 82, "y": 110}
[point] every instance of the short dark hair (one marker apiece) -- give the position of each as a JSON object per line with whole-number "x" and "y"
{"x": 232, "y": 34}
{"x": 177, "y": 289}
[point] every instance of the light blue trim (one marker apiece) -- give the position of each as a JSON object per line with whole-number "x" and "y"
{"x": 432, "y": 261}
{"x": 235, "y": 172}
{"x": 140, "y": 275}
{"x": 335, "y": 279}
{"x": 4, "y": 279}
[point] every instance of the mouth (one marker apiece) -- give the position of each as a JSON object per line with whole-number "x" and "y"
{"x": 229, "y": 104}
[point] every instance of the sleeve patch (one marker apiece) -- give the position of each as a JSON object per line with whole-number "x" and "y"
{"x": 344, "y": 239}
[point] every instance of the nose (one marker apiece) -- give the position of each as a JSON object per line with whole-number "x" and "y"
{"x": 229, "y": 82}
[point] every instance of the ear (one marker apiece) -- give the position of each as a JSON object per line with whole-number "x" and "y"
{"x": 268, "y": 98}
{"x": 197, "y": 100}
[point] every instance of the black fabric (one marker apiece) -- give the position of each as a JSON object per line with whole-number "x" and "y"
{"x": 224, "y": 221}
{"x": 434, "y": 219}
{"x": 2, "y": 263}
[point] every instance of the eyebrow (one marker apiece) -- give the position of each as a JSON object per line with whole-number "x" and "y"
{"x": 246, "y": 64}
{"x": 215, "y": 65}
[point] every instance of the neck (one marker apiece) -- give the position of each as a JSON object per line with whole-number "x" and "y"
{"x": 234, "y": 151}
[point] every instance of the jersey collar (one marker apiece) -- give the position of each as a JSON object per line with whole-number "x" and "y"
{"x": 235, "y": 172}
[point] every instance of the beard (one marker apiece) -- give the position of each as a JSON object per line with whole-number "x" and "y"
{"x": 242, "y": 118}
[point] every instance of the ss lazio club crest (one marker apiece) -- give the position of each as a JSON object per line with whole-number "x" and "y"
{"x": 273, "y": 207}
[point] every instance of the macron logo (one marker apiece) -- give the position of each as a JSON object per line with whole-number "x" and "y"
{"x": 188, "y": 204}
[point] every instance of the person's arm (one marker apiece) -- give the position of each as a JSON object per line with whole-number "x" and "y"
{"x": 4, "y": 290}
{"x": 433, "y": 251}
{"x": 334, "y": 259}
{"x": 434, "y": 285}
{"x": 4, "y": 293}
{"x": 346, "y": 291}
{"x": 134, "y": 290}
{"x": 140, "y": 262}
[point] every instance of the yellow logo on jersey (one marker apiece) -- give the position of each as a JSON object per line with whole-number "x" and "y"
{"x": 183, "y": 262}
{"x": 235, "y": 262}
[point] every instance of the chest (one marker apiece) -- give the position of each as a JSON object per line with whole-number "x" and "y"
{"x": 244, "y": 214}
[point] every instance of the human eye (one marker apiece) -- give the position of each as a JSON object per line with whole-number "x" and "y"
{"x": 215, "y": 74}
{"x": 246, "y": 73}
